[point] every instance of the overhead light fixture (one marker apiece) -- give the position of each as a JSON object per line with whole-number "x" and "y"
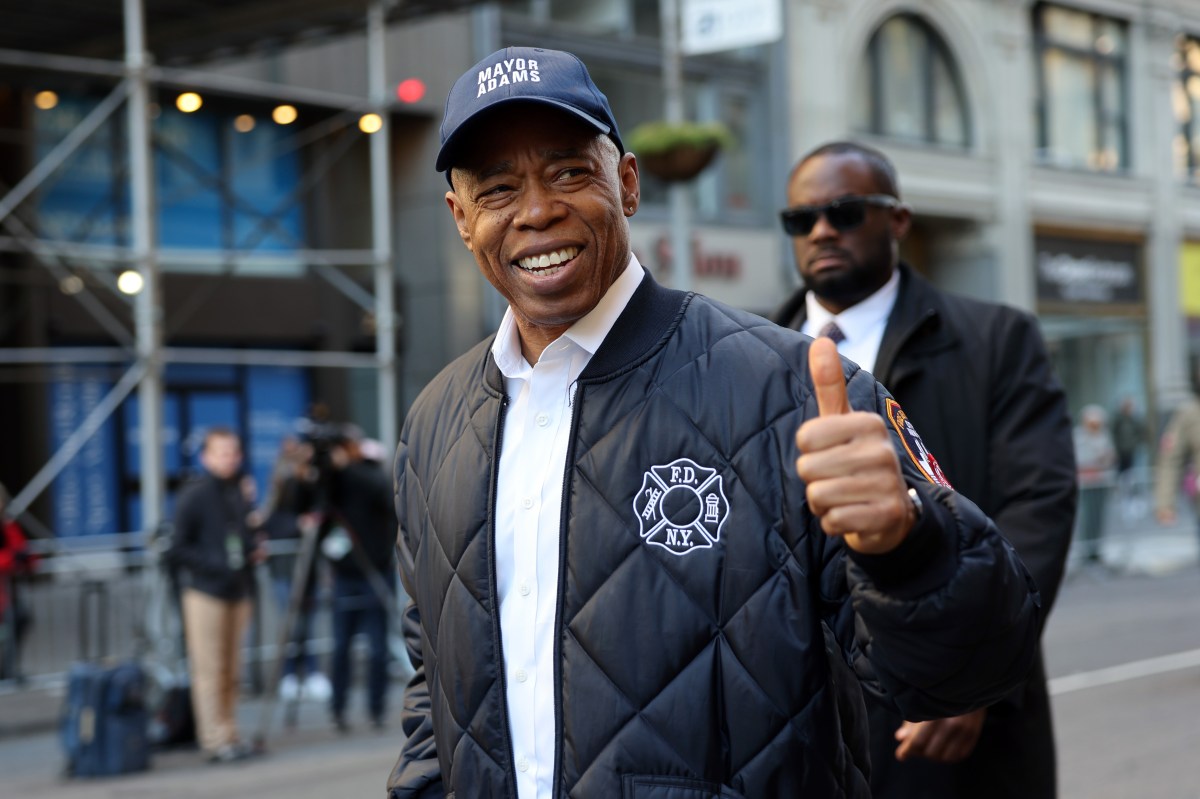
{"x": 188, "y": 102}
{"x": 71, "y": 284}
{"x": 45, "y": 100}
{"x": 370, "y": 123}
{"x": 284, "y": 114}
{"x": 243, "y": 123}
{"x": 130, "y": 281}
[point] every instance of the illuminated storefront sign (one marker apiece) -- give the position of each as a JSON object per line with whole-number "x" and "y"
{"x": 1080, "y": 271}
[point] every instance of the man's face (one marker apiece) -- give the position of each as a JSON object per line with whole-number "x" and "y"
{"x": 541, "y": 201}
{"x": 222, "y": 456}
{"x": 845, "y": 267}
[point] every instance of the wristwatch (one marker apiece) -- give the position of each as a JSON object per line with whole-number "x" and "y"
{"x": 918, "y": 505}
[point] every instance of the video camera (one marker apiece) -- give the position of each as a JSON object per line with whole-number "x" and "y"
{"x": 324, "y": 436}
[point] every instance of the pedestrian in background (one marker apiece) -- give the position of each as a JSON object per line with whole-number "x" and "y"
{"x": 1129, "y": 433}
{"x": 287, "y": 508}
{"x": 16, "y": 562}
{"x": 214, "y": 551}
{"x": 1179, "y": 459}
{"x": 1097, "y": 459}
{"x": 360, "y": 545}
{"x": 975, "y": 378}
{"x": 619, "y": 586}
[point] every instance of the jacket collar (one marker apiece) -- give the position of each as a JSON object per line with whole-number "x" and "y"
{"x": 915, "y": 326}
{"x": 652, "y": 313}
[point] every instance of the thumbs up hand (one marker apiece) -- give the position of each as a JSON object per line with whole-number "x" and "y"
{"x": 849, "y": 467}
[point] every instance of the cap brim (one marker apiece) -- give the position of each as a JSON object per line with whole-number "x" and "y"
{"x": 449, "y": 147}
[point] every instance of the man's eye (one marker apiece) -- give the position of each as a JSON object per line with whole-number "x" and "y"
{"x": 491, "y": 191}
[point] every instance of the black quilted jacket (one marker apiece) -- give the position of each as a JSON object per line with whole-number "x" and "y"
{"x": 711, "y": 641}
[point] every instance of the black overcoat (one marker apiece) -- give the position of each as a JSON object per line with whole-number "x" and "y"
{"x": 976, "y": 381}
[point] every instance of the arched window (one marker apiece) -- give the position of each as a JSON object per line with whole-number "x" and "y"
{"x": 910, "y": 87}
{"x": 1186, "y": 99}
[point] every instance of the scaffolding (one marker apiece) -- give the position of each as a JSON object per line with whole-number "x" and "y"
{"x": 226, "y": 25}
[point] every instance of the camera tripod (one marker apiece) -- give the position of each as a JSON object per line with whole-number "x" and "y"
{"x": 312, "y": 533}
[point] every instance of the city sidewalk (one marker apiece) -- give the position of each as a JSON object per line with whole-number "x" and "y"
{"x": 307, "y": 756}
{"x": 1135, "y": 543}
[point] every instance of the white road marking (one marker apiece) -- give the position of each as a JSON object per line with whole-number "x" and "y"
{"x": 1126, "y": 671}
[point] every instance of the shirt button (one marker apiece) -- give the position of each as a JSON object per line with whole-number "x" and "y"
{"x": 523, "y": 588}
{"x": 522, "y": 675}
{"x": 522, "y": 765}
{"x": 542, "y": 419}
{"x": 527, "y": 503}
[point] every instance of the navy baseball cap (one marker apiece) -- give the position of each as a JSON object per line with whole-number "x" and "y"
{"x": 527, "y": 74}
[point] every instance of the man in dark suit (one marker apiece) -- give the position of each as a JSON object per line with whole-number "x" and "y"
{"x": 975, "y": 379}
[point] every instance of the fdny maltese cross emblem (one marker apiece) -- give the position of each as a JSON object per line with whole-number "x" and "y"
{"x": 681, "y": 506}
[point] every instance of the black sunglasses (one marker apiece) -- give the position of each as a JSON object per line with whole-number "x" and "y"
{"x": 842, "y": 214}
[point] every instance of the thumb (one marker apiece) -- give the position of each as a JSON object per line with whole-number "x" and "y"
{"x": 829, "y": 384}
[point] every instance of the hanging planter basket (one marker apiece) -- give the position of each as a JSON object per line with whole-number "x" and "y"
{"x": 683, "y": 162}
{"x": 675, "y": 152}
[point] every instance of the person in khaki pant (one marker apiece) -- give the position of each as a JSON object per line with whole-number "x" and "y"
{"x": 214, "y": 552}
{"x": 1180, "y": 443}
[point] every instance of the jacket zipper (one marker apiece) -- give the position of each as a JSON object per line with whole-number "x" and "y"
{"x": 500, "y": 667}
{"x": 573, "y": 403}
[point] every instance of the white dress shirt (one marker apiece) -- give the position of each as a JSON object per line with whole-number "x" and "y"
{"x": 862, "y": 324}
{"x": 529, "y": 496}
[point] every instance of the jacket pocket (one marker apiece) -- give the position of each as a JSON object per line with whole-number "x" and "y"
{"x": 644, "y": 786}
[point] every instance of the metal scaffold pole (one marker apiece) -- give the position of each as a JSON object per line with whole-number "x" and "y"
{"x": 381, "y": 226}
{"x": 147, "y": 308}
{"x": 681, "y": 254}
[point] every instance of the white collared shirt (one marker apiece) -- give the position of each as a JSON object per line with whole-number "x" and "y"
{"x": 862, "y": 324}
{"x": 529, "y": 495}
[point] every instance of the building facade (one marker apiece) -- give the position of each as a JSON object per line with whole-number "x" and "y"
{"x": 1050, "y": 152}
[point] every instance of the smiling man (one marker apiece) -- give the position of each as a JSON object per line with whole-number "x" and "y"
{"x": 654, "y": 543}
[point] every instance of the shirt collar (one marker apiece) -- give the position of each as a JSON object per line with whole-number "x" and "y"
{"x": 588, "y": 332}
{"x": 857, "y": 320}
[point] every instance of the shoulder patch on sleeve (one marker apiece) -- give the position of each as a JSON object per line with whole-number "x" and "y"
{"x": 921, "y": 457}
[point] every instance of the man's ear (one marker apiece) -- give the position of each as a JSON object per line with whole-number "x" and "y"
{"x": 460, "y": 218}
{"x": 901, "y": 221}
{"x": 631, "y": 192}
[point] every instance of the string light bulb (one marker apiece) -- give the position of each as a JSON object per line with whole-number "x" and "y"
{"x": 189, "y": 102}
{"x": 284, "y": 114}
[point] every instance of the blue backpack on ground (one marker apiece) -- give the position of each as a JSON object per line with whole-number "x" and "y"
{"x": 105, "y": 723}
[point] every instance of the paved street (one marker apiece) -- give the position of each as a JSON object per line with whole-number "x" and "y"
{"x": 1124, "y": 731}
{"x": 1123, "y": 653}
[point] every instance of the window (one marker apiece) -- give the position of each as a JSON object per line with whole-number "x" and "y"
{"x": 1186, "y": 101}
{"x": 910, "y": 87}
{"x": 215, "y": 188}
{"x": 1081, "y": 93}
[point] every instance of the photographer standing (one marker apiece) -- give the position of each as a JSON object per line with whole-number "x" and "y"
{"x": 360, "y": 546}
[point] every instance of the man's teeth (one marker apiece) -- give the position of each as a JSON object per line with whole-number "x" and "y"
{"x": 547, "y": 263}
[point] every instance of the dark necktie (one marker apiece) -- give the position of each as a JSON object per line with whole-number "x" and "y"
{"x": 831, "y": 330}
